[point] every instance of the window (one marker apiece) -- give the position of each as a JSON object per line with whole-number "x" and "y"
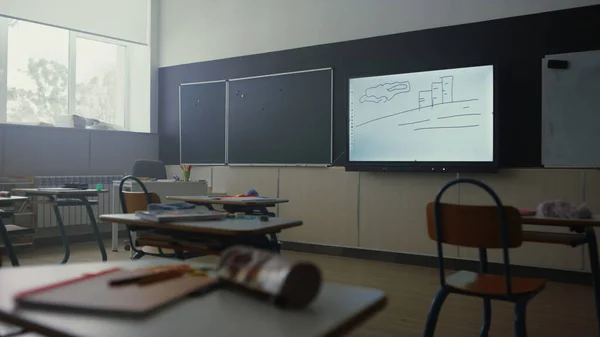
{"x": 53, "y": 72}
{"x": 100, "y": 78}
{"x": 37, "y": 72}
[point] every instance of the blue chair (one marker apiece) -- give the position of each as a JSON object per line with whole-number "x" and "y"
{"x": 482, "y": 227}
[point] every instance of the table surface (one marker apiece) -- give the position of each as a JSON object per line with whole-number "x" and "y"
{"x": 9, "y": 201}
{"x": 222, "y": 312}
{"x": 560, "y": 222}
{"x": 58, "y": 191}
{"x": 249, "y": 225}
{"x": 226, "y": 201}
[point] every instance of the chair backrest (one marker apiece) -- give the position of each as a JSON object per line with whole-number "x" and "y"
{"x": 136, "y": 201}
{"x": 482, "y": 227}
{"x": 149, "y": 169}
{"x": 474, "y": 226}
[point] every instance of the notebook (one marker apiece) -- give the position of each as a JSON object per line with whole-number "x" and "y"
{"x": 194, "y": 214}
{"x": 93, "y": 293}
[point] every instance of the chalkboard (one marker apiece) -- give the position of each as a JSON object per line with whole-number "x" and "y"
{"x": 571, "y": 110}
{"x": 281, "y": 119}
{"x": 202, "y": 111}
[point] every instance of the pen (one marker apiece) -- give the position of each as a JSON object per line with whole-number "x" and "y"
{"x": 146, "y": 278}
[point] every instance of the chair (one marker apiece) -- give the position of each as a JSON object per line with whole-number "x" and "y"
{"x": 149, "y": 169}
{"x": 138, "y": 201}
{"x": 482, "y": 227}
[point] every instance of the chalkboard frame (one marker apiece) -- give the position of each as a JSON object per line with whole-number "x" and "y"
{"x": 226, "y": 103}
{"x": 331, "y": 126}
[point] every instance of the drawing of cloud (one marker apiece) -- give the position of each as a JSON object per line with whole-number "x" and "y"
{"x": 384, "y": 92}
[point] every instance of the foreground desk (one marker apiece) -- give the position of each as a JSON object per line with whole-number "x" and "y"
{"x": 7, "y": 202}
{"x": 222, "y": 312}
{"x": 64, "y": 197}
{"x": 585, "y": 234}
{"x": 234, "y": 205}
{"x": 242, "y": 228}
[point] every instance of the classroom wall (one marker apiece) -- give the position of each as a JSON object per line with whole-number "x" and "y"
{"x": 386, "y": 211}
{"x": 125, "y": 20}
{"x": 201, "y": 30}
{"x": 378, "y": 211}
{"x": 31, "y": 150}
{"x": 35, "y": 151}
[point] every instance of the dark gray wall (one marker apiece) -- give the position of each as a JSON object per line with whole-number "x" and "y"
{"x": 33, "y": 150}
{"x": 514, "y": 45}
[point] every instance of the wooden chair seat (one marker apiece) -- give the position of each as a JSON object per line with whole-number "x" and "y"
{"x": 569, "y": 239}
{"x": 493, "y": 285}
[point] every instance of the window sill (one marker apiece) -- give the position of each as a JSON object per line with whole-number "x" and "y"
{"x": 51, "y": 126}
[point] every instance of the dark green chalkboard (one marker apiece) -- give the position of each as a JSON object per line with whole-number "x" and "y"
{"x": 202, "y": 122}
{"x": 281, "y": 119}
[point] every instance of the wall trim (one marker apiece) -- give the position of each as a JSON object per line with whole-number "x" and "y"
{"x": 555, "y": 275}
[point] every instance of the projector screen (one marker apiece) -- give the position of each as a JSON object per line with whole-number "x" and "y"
{"x": 441, "y": 116}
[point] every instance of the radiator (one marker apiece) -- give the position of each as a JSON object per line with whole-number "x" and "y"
{"x": 74, "y": 215}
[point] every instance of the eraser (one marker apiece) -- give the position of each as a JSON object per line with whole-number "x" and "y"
{"x": 558, "y": 64}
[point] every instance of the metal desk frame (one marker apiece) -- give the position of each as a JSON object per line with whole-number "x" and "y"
{"x": 4, "y": 233}
{"x": 65, "y": 199}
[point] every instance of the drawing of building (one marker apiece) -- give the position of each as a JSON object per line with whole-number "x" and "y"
{"x": 436, "y": 93}
{"x": 425, "y": 99}
{"x": 447, "y": 89}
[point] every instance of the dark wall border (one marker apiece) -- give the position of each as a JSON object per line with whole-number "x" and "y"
{"x": 515, "y": 45}
{"x": 564, "y": 276}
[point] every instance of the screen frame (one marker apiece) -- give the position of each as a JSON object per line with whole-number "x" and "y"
{"x": 429, "y": 166}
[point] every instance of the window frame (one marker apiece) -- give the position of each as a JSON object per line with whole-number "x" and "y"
{"x": 123, "y": 67}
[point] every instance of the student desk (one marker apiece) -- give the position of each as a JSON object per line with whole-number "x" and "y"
{"x": 6, "y": 202}
{"x": 161, "y": 187}
{"x": 584, "y": 233}
{"x": 226, "y": 228}
{"x": 234, "y": 205}
{"x": 64, "y": 197}
{"x": 222, "y": 312}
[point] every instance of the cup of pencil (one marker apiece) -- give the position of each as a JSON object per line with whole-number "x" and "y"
{"x": 186, "y": 170}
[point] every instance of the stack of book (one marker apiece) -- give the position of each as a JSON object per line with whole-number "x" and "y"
{"x": 192, "y": 214}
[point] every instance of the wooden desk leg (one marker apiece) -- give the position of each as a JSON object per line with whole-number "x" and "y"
{"x": 9, "y": 247}
{"x": 595, "y": 267}
{"x": 92, "y": 217}
{"x": 61, "y": 228}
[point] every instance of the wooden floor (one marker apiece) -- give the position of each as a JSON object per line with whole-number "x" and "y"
{"x": 560, "y": 310}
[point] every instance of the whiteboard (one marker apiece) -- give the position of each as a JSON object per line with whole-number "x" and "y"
{"x": 571, "y": 111}
{"x": 433, "y": 116}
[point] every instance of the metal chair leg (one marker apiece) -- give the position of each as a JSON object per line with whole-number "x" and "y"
{"x": 9, "y": 247}
{"x": 135, "y": 253}
{"x": 520, "y": 324}
{"x": 590, "y": 235}
{"x": 63, "y": 233}
{"x": 434, "y": 312}
{"x": 487, "y": 317}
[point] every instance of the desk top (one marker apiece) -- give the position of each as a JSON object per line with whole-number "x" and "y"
{"x": 58, "y": 191}
{"x": 228, "y": 226}
{"x": 222, "y": 312}
{"x": 560, "y": 222}
{"x": 204, "y": 199}
{"x": 9, "y": 201}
